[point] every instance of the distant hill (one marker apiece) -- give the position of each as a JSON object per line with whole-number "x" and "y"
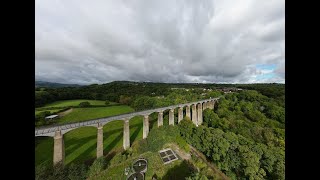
{"x": 54, "y": 85}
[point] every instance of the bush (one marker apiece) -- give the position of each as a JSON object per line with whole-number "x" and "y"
{"x": 43, "y": 171}
{"x": 158, "y": 137}
{"x": 40, "y": 118}
{"x": 97, "y": 167}
{"x": 59, "y": 173}
{"x": 118, "y": 158}
{"x": 197, "y": 176}
{"x": 107, "y": 103}
{"x": 77, "y": 172}
{"x": 142, "y": 146}
{"x": 84, "y": 104}
{"x": 182, "y": 143}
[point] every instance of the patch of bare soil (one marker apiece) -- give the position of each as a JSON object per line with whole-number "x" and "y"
{"x": 181, "y": 153}
{"x": 65, "y": 112}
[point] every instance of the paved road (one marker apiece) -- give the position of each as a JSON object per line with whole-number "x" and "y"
{"x": 50, "y": 130}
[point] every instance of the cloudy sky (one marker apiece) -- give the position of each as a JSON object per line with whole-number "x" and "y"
{"x": 217, "y": 41}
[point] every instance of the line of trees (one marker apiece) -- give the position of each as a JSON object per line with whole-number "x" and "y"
{"x": 138, "y": 95}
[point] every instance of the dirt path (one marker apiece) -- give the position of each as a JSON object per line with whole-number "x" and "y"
{"x": 65, "y": 112}
{"x": 180, "y": 153}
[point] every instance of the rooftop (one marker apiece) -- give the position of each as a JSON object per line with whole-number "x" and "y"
{"x": 51, "y": 116}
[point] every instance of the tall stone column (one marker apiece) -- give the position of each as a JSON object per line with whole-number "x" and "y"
{"x": 58, "y": 148}
{"x": 213, "y": 102}
{"x": 210, "y": 104}
{"x": 126, "y": 135}
{"x": 188, "y": 111}
{"x": 204, "y": 106}
{"x": 200, "y": 120}
{"x": 145, "y": 126}
{"x": 194, "y": 114}
{"x": 100, "y": 141}
{"x": 160, "y": 119}
{"x": 171, "y": 117}
{"x": 180, "y": 114}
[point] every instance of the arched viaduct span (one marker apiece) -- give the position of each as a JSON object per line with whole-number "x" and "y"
{"x": 57, "y": 131}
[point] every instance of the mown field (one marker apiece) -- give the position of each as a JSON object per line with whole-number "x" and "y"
{"x": 82, "y": 114}
{"x": 59, "y": 105}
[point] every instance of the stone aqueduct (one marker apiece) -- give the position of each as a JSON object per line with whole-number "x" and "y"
{"x": 57, "y": 131}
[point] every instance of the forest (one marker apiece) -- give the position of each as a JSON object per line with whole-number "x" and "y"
{"x": 244, "y": 135}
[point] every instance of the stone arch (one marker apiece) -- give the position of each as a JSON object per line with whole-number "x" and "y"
{"x": 153, "y": 120}
{"x": 112, "y": 135}
{"x": 80, "y": 143}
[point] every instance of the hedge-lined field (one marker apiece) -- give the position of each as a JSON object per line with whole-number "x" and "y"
{"x": 76, "y": 102}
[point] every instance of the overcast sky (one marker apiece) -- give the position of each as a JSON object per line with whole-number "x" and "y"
{"x": 218, "y": 41}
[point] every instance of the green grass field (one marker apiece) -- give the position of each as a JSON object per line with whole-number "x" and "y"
{"x": 82, "y": 114}
{"x": 76, "y": 102}
{"x": 81, "y": 143}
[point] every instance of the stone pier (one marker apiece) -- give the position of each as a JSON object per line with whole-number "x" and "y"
{"x": 180, "y": 114}
{"x": 194, "y": 114}
{"x": 58, "y": 148}
{"x": 126, "y": 135}
{"x": 213, "y": 102}
{"x": 100, "y": 141}
{"x": 145, "y": 126}
{"x": 160, "y": 119}
{"x": 210, "y": 105}
{"x": 204, "y": 106}
{"x": 188, "y": 112}
{"x": 171, "y": 117}
{"x": 200, "y": 120}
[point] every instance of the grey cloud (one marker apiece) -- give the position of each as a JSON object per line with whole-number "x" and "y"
{"x": 169, "y": 41}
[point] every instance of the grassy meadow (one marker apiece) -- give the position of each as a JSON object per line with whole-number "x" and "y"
{"x": 83, "y": 114}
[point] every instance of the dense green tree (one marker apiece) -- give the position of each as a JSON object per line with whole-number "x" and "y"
{"x": 125, "y": 100}
{"x": 197, "y": 176}
{"x": 84, "y": 104}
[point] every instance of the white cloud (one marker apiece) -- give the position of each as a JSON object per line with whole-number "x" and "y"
{"x": 169, "y": 41}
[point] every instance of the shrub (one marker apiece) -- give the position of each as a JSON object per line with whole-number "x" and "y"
{"x": 107, "y": 103}
{"x": 118, "y": 158}
{"x": 59, "y": 173}
{"x": 84, "y": 104}
{"x": 142, "y": 146}
{"x": 161, "y": 136}
{"x": 197, "y": 176}
{"x": 77, "y": 172}
{"x": 182, "y": 143}
{"x": 43, "y": 171}
{"x": 97, "y": 167}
